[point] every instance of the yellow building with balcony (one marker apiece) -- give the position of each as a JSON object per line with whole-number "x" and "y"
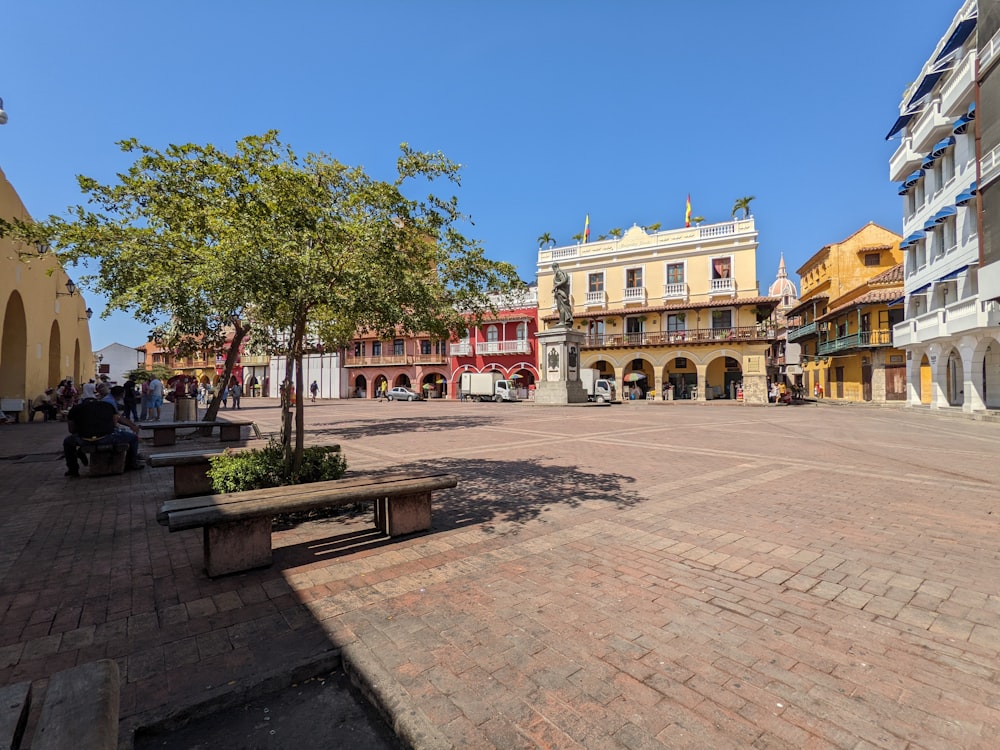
{"x": 851, "y": 297}
{"x": 675, "y": 314}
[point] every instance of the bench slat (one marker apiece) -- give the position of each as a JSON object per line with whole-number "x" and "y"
{"x": 212, "y": 509}
{"x": 183, "y": 458}
{"x": 80, "y": 709}
{"x": 195, "y": 423}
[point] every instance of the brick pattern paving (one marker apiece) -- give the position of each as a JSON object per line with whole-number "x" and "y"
{"x": 635, "y": 576}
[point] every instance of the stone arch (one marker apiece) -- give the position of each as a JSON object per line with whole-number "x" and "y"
{"x": 679, "y": 373}
{"x": 14, "y": 350}
{"x": 54, "y": 373}
{"x": 952, "y": 377}
{"x": 985, "y": 374}
{"x": 723, "y": 371}
{"x": 360, "y": 386}
{"x": 638, "y": 388}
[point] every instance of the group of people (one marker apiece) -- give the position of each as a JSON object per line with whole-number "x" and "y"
{"x": 101, "y": 420}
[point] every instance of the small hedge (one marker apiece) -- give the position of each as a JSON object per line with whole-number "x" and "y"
{"x": 255, "y": 470}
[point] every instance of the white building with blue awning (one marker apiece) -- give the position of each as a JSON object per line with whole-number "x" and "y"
{"x": 950, "y": 334}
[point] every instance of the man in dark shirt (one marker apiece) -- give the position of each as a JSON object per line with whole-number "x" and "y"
{"x": 95, "y": 422}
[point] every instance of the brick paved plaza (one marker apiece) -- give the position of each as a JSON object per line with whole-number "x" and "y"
{"x": 633, "y": 576}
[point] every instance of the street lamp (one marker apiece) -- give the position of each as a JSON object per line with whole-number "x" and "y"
{"x": 89, "y": 314}
{"x": 70, "y": 290}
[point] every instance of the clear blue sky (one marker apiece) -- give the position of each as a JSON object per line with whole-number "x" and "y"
{"x": 556, "y": 108}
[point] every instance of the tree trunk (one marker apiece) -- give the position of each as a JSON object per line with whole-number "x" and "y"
{"x": 239, "y": 333}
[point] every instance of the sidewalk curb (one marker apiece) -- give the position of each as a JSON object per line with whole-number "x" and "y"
{"x": 393, "y": 702}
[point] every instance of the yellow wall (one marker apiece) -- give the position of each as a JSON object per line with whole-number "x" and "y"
{"x": 44, "y": 336}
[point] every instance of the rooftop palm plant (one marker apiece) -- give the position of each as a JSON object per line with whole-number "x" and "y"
{"x": 546, "y": 239}
{"x": 743, "y": 204}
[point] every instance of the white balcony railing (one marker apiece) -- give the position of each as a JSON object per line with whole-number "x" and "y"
{"x": 598, "y": 299}
{"x": 931, "y": 126}
{"x": 634, "y": 294}
{"x": 462, "y": 349}
{"x": 989, "y": 167}
{"x": 518, "y": 346}
{"x": 723, "y": 286}
{"x": 957, "y": 92}
{"x": 675, "y": 291}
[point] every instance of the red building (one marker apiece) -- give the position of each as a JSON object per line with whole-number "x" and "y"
{"x": 503, "y": 343}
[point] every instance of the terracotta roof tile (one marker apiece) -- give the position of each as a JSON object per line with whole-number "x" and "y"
{"x": 678, "y": 306}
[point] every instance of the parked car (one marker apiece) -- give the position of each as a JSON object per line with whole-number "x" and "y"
{"x": 402, "y": 393}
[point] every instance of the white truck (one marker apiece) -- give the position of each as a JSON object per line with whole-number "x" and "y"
{"x": 598, "y": 389}
{"x": 487, "y": 386}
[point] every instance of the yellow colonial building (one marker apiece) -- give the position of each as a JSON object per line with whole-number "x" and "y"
{"x": 44, "y": 334}
{"x": 675, "y": 314}
{"x": 851, "y": 297}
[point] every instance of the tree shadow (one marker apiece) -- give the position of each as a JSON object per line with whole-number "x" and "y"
{"x": 499, "y": 496}
{"x": 396, "y": 425}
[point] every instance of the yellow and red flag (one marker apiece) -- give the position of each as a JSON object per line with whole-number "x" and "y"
{"x": 586, "y": 229}
{"x": 687, "y": 212}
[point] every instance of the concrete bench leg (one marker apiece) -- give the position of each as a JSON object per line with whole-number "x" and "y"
{"x": 15, "y": 702}
{"x": 81, "y": 708}
{"x": 191, "y": 480}
{"x": 237, "y": 546}
{"x": 106, "y": 459}
{"x": 406, "y": 514}
{"x": 229, "y": 432}
{"x": 164, "y": 436}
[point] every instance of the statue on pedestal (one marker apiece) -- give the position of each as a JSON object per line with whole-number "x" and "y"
{"x": 560, "y": 291}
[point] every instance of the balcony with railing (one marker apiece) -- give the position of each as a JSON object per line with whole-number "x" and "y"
{"x": 634, "y": 294}
{"x": 801, "y": 332}
{"x": 931, "y": 126}
{"x": 675, "y": 291}
{"x": 517, "y": 346}
{"x": 723, "y": 286}
{"x": 354, "y": 360}
{"x": 430, "y": 358}
{"x": 745, "y": 334}
{"x": 596, "y": 299}
{"x": 957, "y": 91}
{"x": 859, "y": 340}
{"x": 461, "y": 349}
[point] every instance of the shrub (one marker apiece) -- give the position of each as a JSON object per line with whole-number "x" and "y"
{"x": 257, "y": 469}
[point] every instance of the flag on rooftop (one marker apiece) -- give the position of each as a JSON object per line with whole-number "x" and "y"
{"x": 586, "y": 229}
{"x": 687, "y": 212}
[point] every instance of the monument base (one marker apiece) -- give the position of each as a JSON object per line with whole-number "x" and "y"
{"x": 559, "y": 392}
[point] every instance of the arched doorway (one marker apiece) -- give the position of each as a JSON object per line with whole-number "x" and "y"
{"x": 638, "y": 380}
{"x": 954, "y": 379}
{"x": 681, "y": 376}
{"x": 926, "y": 380}
{"x": 54, "y": 374}
{"x": 434, "y": 385}
{"x": 14, "y": 352}
{"x": 360, "y": 386}
{"x": 723, "y": 378}
{"x": 991, "y": 376}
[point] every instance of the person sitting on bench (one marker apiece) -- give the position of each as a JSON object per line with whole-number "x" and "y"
{"x": 44, "y": 403}
{"x": 95, "y": 422}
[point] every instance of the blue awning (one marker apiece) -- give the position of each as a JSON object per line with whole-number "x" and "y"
{"x": 898, "y": 125}
{"x": 896, "y": 302}
{"x": 928, "y": 162}
{"x": 922, "y": 290}
{"x": 973, "y": 188}
{"x": 913, "y": 238}
{"x": 913, "y": 178}
{"x": 930, "y": 224}
{"x": 964, "y": 198}
{"x": 953, "y": 275}
{"x": 943, "y": 145}
{"x": 971, "y": 114}
{"x": 944, "y": 213}
{"x": 962, "y": 32}
{"x": 925, "y": 87}
{"x": 961, "y": 125}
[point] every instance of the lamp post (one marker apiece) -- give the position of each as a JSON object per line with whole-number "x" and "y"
{"x": 70, "y": 290}
{"x": 87, "y": 316}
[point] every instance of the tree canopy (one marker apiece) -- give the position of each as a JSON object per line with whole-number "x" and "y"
{"x": 264, "y": 243}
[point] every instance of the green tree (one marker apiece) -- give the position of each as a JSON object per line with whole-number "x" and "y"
{"x": 617, "y": 232}
{"x": 221, "y": 244}
{"x": 546, "y": 239}
{"x": 654, "y": 227}
{"x": 743, "y": 204}
{"x": 696, "y": 220}
{"x": 578, "y": 237}
{"x": 141, "y": 374}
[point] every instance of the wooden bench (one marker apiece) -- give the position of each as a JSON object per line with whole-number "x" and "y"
{"x": 236, "y": 526}
{"x": 80, "y": 710}
{"x": 191, "y": 467}
{"x": 165, "y": 433}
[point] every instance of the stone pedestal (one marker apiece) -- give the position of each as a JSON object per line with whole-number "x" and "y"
{"x": 560, "y": 367}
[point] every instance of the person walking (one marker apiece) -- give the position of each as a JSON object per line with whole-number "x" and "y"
{"x": 314, "y": 389}
{"x": 155, "y": 398}
{"x": 128, "y": 399}
{"x": 236, "y": 392}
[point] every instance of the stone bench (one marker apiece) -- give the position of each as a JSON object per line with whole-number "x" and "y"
{"x": 236, "y": 526}
{"x": 165, "y": 433}
{"x": 105, "y": 460}
{"x": 191, "y": 467}
{"x": 80, "y": 710}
